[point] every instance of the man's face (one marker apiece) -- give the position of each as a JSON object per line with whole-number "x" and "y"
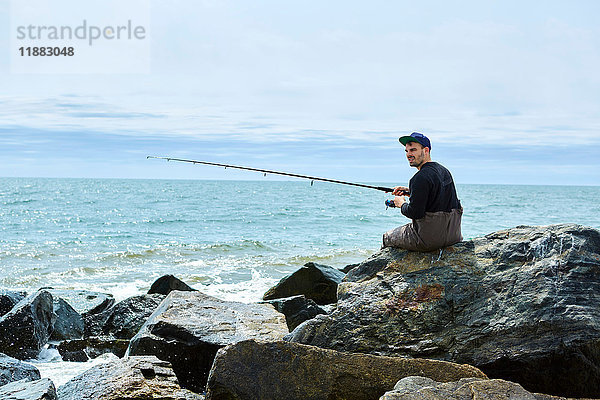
{"x": 415, "y": 153}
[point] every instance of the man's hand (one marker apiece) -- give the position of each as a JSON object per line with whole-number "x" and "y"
{"x": 399, "y": 200}
{"x": 400, "y": 191}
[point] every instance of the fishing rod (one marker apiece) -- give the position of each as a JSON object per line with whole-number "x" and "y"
{"x": 388, "y": 203}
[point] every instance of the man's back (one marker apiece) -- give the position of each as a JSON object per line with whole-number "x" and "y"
{"x": 431, "y": 190}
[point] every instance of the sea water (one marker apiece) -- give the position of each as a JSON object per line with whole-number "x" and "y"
{"x": 229, "y": 239}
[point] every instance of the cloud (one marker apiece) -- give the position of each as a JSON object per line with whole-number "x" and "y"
{"x": 506, "y": 85}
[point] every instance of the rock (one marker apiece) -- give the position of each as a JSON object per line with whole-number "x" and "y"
{"x": 348, "y": 267}
{"x": 421, "y": 388}
{"x": 68, "y": 324}
{"x": 8, "y": 299}
{"x": 521, "y": 304}
{"x": 124, "y": 319}
{"x": 252, "y": 370}
{"x": 315, "y": 281}
{"x": 12, "y": 370}
{"x": 80, "y": 350}
{"x": 124, "y": 379}
{"x": 188, "y": 328}
{"x": 167, "y": 283}
{"x": 27, "y": 327}
{"x": 380, "y": 260}
{"x": 297, "y": 309}
{"x": 83, "y": 301}
{"x": 41, "y": 389}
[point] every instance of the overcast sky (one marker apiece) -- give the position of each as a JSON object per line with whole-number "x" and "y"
{"x": 507, "y": 91}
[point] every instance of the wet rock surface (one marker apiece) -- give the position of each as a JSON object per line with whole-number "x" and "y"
{"x": 80, "y": 350}
{"x": 129, "y": 378}
{"x": 12, "y": 370}
{"x": 28, "y": 326}
{"x": 167, "y": 283}
{"x": 68, "y": 324}
{"x": 41, "y": 389}
{"x": 123, "y": 319}
{"x": 8, "y": 299}
{"x": 296, "y": 309}
{"x": 315, "y": 281}
{"x": 522, "y": 304}
{"x": 84, "y": 302}
{"x": 282, "y": 370}
{"x": 188, "y": 328}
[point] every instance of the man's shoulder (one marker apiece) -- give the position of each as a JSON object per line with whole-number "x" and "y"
{"x": 433, "y": 164}
{"x": 433, "y": 167}
{"x": 434, "y": 171}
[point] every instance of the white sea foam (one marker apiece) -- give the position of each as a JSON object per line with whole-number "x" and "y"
{"x": 51, "y": 366}
{"x": 246, "y": 292}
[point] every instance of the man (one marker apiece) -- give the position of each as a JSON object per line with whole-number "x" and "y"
{"x": 433, "y": 205}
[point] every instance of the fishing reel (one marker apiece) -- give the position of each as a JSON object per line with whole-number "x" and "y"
{"x": 390, "y": 202}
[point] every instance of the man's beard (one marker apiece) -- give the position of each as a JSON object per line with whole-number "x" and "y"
{"x": 417, "y": 161}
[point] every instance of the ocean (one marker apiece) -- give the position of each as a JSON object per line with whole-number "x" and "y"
{"x": 229, "y": 239}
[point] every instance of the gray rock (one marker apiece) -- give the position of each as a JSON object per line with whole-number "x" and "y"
{"x": 315, "y": 281}
{"x": 80, "y": 350}
{"x": 167, "y": 283}
{"x": 68, "y": 324}
{"x": 420, "y": 388}
{"x": 188, "y": 328}
{"x": 522, "y": 304}
{"x": 348, "y": 267}
{"x": 83, "y": 301}
{"x": 42, "y": 389}
{"x": 8, "y": 299}
{"x": 124, "y": 319}
{"x": 252, "y": 370}
{"x": 131, "y": 378}
{"x": 26, "y": 328}
{"x": 12, "y": 370}
{"x": 297, "y": 309}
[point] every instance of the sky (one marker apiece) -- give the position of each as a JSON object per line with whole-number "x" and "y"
{"x": 507, "y": 91}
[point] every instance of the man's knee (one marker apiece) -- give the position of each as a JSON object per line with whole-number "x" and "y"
{"x": 399, "y": 237}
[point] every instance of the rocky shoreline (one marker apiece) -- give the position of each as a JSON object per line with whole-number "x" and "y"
{"x": 510, "y": 315}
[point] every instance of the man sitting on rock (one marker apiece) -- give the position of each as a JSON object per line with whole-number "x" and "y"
{"x": 433, "y": 205}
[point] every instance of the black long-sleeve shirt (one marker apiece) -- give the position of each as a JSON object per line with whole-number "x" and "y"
{"x": 431, "y": 190}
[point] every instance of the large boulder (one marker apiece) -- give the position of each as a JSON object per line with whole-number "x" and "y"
{"x": 131, "y": 378}
{"x": 296, "y": 309}
{"x": 26, "y": 328}
{"x": 188, "y": 328}
{"x": 41, "y": 389}
{"x": 12, "y": 370}
{"x": 315, "y": 281}
{"x": 84, "y": 302}
{"x": 522, "y": 304}
{"x": 68, "y": 324}
{"x": 252, "y": 370}
{"x": 8, "y": 299}
{"x": 419, "y": 388}
{"x": 167, "y": 283}
{"x": 125, "y": 318}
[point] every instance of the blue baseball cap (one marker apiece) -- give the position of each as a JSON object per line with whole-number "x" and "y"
{"x": 416, "y": 137}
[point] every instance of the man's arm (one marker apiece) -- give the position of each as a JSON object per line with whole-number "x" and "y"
{"x": 419, "y": 194}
